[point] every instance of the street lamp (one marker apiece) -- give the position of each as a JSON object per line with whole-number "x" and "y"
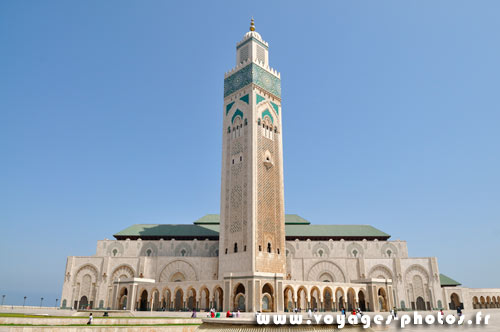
{"x": 41, "y": 301}
{"x": 56, "y": 302}
{"x": 3, "y": 298}
{"x": 24, "y": 301}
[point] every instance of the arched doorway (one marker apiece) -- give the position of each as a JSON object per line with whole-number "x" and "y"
{"x": 351, "y": 299}
{"x": 179, "y": 301}
{"x": 475, "y": 302}
{"x": 302, "y": 298}
{"x": 483, "y": 302}
{"x": 327, "y": 299}
{"x": 267, "y": 298}
{"x": 156, "y": 300}
{"x": 143, "y": 302}
{"x": 239, "y": 298}
{"x": 454, "y": 301}
{"x": 205, "y": 299}
{"x": 191, "y": 303}
{"x": 339, "y": 296}
{"x": 361, "y": 300}
{"x": 122, "y": 300}
{"x": 288, "y": 298}
{"x": 84, "y": 302}
{"x": 167, "y": 299}
{"x": 420, "y": 303}
{"x": 382, "y": 300}
{"x": 315, "y": 299}
{"x": 218, "y": 299}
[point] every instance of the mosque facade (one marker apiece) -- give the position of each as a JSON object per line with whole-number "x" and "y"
{"x": 253, "y": 256}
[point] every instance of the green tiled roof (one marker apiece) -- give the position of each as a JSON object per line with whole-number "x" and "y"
{"x": 295, "y": 219}
{"x": 208, "y": 227}
{"x": 169, "y": 231}
{"x": 337, "y": 231}
{"x": 215, "y": 219}
{"x": 208, "y": 219}
{"x": 447, "y": 281}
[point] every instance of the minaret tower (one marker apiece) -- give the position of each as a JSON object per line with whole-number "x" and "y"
{"x": 252, "y": 229}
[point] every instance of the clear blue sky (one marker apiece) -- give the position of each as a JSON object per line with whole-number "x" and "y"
{"x": 111, "y": 115}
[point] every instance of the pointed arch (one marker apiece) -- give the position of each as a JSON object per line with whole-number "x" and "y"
{"x": 122, "y": 271}
{"x": 176, "y": 269}
{"x": 318, "y": 269}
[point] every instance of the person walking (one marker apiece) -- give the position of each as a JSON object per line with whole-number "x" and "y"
{"x": 90, "y": 319}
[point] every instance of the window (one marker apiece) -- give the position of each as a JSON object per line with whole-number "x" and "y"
{"x": 278, "y": 251}
{"x": 355, "y": 253}
{"x": 233, "y": 161}
{"x": 320, "y": 253}
{"x": 183, "y": 252}
{"x": 267, "y": 128}
{"x": 244, "y": 248}
{"x": 226, "y": 251}
{"x": 261, "y": 54}
{"x": 389, "y": 253}
{"x": 217, "y": 252}
{"x": 148, "y": 252}
{"x": 287, "y": 253}
{"x": 241, "y": 158}
{"x": 115, "y": 252}
{"x": 244, "y": 51}
{"x": 269, "y": 247}
{"x": 260, "y": 248}
{"x": 236, "y": 247}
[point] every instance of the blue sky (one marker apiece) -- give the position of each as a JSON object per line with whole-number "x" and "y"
{"x": 111, "y": 115}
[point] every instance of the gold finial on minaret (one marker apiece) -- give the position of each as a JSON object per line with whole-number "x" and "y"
{"x": 252, "y": 25}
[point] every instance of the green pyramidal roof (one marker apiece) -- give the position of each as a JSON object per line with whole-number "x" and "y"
{"x": 214, "y": 219}
{"x": 207, "y": 227}
{"x": 447, "y": 281}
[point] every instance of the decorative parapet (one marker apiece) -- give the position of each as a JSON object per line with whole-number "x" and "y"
{"x": 248, "y": 61}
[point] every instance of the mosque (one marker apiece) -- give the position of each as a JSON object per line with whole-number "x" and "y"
{"x": 253, "y": 256}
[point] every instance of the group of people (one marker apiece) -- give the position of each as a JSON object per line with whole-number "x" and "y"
{"x": 357, "y": 312}
{"x": 229, "y": 314}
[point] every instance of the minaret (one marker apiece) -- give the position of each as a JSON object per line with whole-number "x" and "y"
{"x": 252, "y": 229}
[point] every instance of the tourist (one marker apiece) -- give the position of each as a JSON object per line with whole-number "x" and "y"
{"x": 228, "y": 314}
{"x": 193, "y": 315}
{"x": 217, "y": 315}
{"x": 90, "y": 319}
{"x": 395, "y": 312}
{"x": 440, "y": 314}
{"x": 238, "y": 314}
{"x": 309, "y": 313}
{"x": 343, "y": 312}
{"x": 459, "y": 311}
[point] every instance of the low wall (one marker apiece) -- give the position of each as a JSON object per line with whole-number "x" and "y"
{"x": 191, "y": 328}
{"x": 97, "y": 321}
